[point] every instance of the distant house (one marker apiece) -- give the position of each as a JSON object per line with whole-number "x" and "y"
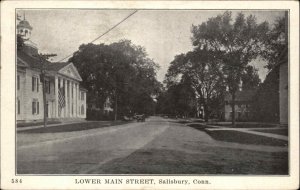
{"x": 243, "y": 103}
{"x": 107, "y": 107}
{"x": 65, "y": 99}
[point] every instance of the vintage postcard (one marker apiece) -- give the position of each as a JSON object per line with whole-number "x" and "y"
{"x": 150, "y": 95}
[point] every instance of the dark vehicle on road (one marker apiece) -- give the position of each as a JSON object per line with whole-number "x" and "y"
{"x": 140, "y": 118}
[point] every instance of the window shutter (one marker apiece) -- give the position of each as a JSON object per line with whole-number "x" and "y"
{"x": 32, "y": 83}
{"x": 19, "y": 110}
{"x": 33, "y": 108}
{"x": 37, "y": 84}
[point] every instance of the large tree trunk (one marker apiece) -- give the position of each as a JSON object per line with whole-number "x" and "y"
{"x": 205, "y": 112}
{"x": 233, "y": 108}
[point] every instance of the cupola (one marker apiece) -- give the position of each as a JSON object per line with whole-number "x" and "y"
{"x": 24, "y": 29}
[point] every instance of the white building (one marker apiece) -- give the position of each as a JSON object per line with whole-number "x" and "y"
{"x": 65, "y": 99}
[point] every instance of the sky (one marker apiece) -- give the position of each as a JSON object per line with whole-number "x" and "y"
{"x": 163, "y": 33}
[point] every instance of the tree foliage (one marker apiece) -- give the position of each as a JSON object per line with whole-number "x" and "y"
{"x": 276, "y": 43}
{"x": 204, "y": 73}
{"x": 121, "y": 71}
{"x": 235, "y": 44}
{"x": 177, "y": 99}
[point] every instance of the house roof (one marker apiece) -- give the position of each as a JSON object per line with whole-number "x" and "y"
{"x": 34, "y": 62}
{"x": 245, "y": 95}
{"x": 57, "y": 66}
{"x": 24, "y": 24}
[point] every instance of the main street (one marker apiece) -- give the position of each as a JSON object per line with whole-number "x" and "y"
{"x": 157, "y": 146}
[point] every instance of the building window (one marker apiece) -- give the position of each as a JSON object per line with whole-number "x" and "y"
{"x": 82, "y": 110}
{"x": 18, "y": 82}
{"x": 35, "y": 107}
{"x": 19, "y": 106}
{"x": 82, "y": 95}
{"x": 35, "y": 84}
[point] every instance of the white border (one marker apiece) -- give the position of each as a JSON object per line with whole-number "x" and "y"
{"x": 67, "y": 182}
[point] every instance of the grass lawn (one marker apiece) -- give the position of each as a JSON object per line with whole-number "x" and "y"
{"x": 245, "y": 138}
{"x": 240, "y": 137}
{"x": 74, "y": 127}
{"x": 284, "y": 131}
{"x": 36, "y": 123}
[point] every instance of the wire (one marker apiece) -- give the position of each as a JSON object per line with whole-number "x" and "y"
{"x": 105, "y": 32}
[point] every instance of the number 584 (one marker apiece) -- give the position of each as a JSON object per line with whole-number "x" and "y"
{"x": 16, "y": 180}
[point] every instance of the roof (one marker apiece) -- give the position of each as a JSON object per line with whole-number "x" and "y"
{"x": 34, "y": 62}
{"x": 245, "y": 95}
{"x": 24, "y": 24}
{"x": 56, "y": 66}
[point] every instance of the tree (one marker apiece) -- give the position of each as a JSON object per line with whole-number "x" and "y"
{"x": 121, "y": 71}
{"x": 178, "y": 99}
{"x": 234, "y": 43}
{"x": 205, "y": 75}
{"x": 250, "y": 78}
{"x": 276, "y": 43}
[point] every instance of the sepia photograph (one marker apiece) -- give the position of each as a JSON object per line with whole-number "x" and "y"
{"x": 107, "y": 95}
{"x": 157, "y": 92}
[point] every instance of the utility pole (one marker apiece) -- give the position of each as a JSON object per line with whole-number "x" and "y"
{"x": 43, "y": 58}
{"x": 116, "y": 105}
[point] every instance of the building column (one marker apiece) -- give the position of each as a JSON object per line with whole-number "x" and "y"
{"x": 78, "y": 106}
{"x": 66, "y": 99}
{"x": 62, "y": 109}
{"x": 69, "y": 98}
{"x": 56, "y": 96}
{"x": 75, "y": 100}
